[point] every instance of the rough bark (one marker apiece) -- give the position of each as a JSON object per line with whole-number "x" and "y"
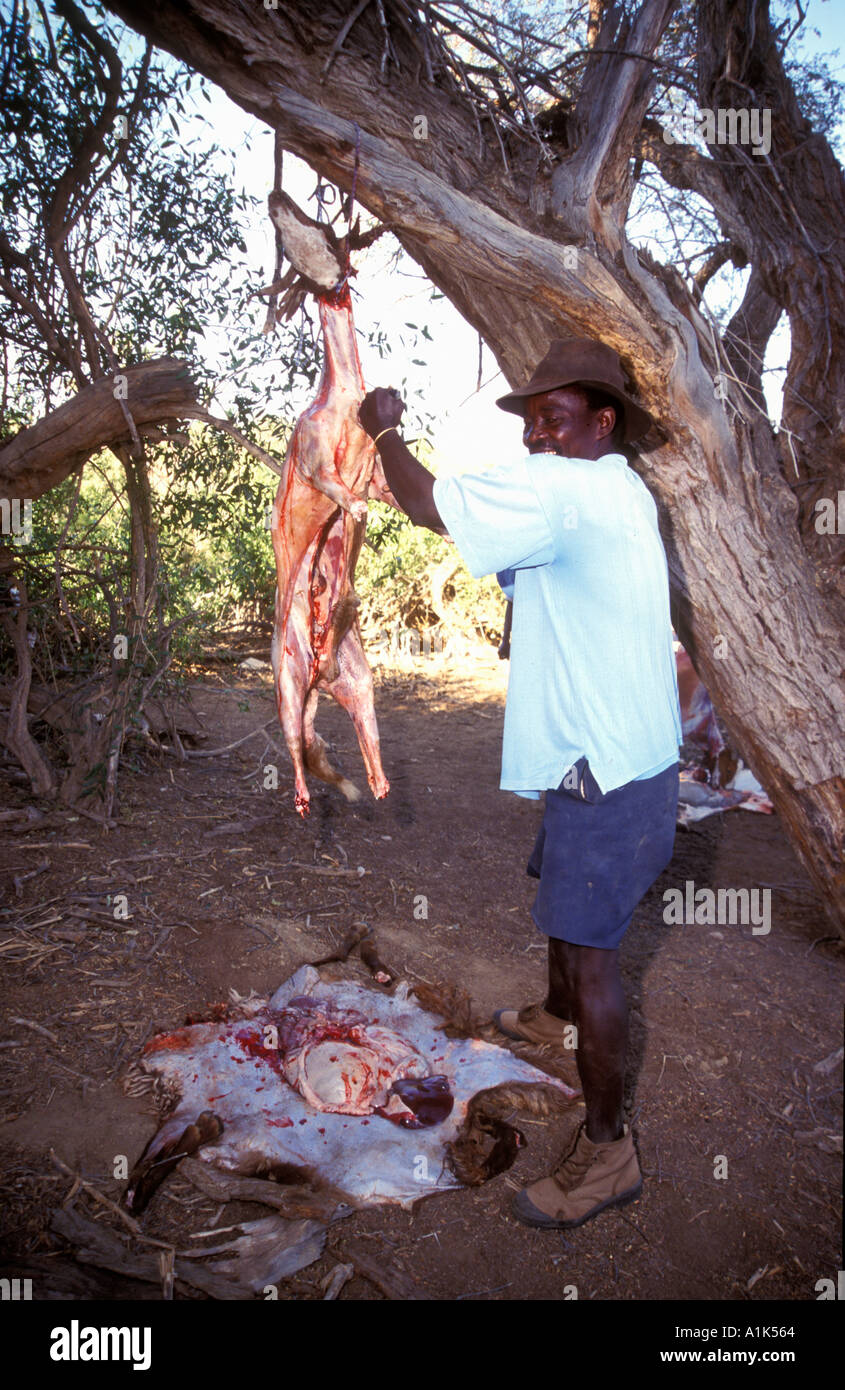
{"x": 36, "y": 460}
{"x": 490, "y": 223}
{"x": 785, "y": 209}
{"x": 39, "y": 458}
{"x": 14, "y": 731}
{"x": 794, "y": 199}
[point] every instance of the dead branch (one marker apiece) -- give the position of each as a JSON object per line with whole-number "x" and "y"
{"x": 42, "y": 456}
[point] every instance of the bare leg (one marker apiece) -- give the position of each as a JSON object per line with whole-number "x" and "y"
{"x": 558, "y": 1000}
{"x": 592, "y": 981}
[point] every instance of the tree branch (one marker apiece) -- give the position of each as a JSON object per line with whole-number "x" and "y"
{"x": 220, "y": 423}
{"x": 687, "y": 169}
{"x": 615, "y": 94}
{"x": 748, "y": 333}
{"x": 57, "y": 221}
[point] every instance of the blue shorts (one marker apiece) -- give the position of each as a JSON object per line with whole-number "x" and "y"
{"x": 597, "y": 857}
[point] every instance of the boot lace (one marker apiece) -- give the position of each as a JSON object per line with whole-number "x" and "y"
{"x": 573, "y": 1166}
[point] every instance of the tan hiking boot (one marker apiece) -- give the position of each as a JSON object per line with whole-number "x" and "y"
{"x": 590, "y": 1178}
{"x": 532, "y": 1024}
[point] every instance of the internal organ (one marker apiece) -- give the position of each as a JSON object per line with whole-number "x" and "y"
{"x": 318, "y": 526}
{"x": 340, "y": 1063}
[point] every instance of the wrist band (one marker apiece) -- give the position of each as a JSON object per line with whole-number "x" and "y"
{"x": 381, "y": 432}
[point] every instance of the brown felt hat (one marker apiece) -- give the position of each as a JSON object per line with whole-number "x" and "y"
{"x": 583, "y": 362}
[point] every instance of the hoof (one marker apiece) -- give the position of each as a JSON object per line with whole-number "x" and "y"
{"x": 349, "y": 789}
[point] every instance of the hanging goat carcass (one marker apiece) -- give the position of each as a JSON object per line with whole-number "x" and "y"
{"x": 318, "y": 525}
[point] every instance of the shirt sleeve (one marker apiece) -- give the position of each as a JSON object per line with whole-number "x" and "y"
{"x": 496, "y": 519}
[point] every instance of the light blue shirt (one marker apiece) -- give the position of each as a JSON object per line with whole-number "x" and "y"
{"x": 575, "y": 544}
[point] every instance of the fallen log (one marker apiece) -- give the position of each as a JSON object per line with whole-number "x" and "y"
{"x": 37, "y": 459}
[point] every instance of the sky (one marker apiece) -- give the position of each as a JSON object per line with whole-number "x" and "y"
{"x": 468, "y": 430}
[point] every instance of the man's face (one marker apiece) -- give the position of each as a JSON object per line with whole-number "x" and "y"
{"x": 561, "y": 422}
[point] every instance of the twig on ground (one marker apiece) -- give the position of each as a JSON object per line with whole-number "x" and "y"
{"x": 36, "y": 1028}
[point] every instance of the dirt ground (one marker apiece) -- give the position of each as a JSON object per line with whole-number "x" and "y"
{"x": 727, "y": 1027}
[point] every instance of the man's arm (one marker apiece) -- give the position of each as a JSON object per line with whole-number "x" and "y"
{"x": 411, "y": 483}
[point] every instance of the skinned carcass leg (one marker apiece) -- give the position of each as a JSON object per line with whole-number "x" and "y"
{"x": 292, "y": 659}
{"x": 353, "y": 690}
{"x": 297, "y": 700}
{"x": 316, "y": 752}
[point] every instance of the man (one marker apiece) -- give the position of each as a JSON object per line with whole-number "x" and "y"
{"x": 592, "y": 715}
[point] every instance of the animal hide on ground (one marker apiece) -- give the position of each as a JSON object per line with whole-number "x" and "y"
{"x": 713, "y": 778}
{"x": 353, "y": 1087}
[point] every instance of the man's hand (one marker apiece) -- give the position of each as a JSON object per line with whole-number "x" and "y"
{"x": 411, "y": 484}
{"x": 380, "y": 409}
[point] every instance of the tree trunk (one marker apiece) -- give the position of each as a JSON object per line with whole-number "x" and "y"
{"x": 793, "y": 200}
{"x": 39, "y": 458}
{"x": 15, "y": 731}
{"x": 493, "y": 220}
